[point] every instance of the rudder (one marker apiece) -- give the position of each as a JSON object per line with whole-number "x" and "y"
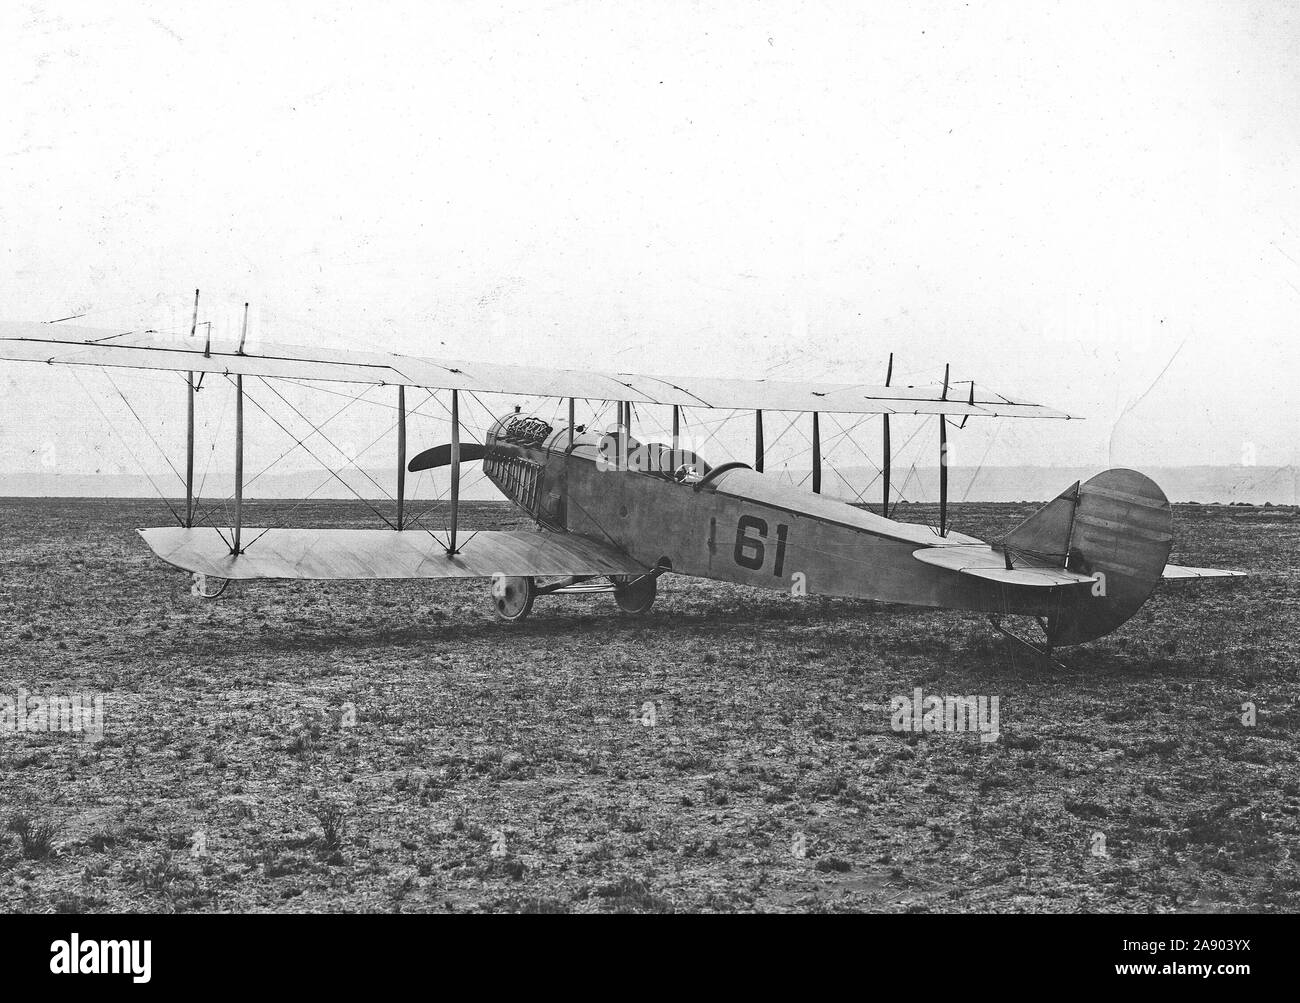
{"x": 1118, "y": 526}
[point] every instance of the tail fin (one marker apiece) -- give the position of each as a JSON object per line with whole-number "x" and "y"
{"x": 1116, "y": 527}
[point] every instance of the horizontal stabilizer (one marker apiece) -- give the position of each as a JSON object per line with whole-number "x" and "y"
{"x": 1175, "y": 574}
{"x": 370, "y": 554}
{"x": 981, "y": 561}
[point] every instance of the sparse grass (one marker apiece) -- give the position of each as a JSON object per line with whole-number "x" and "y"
{"x": 628, "y": 894}
{"x": 74, "y": 903}
{"x": 333, "y": 824}
{"x": 153, "y": 872}
{"x": 35, "y": 839}
{"x": 527, "y": 905}
{"x": 772, "y": 719}
{"x": 102, "y": 840}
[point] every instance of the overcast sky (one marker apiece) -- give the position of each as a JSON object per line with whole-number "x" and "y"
{"x": 1091, "y": 205}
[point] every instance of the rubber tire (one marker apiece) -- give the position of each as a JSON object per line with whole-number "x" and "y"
{"x": 636, "y": 597}
{"x": 517, "y": 601}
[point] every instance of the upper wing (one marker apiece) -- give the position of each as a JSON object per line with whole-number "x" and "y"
{"x": 89, "y": 347}
{"x": 352, "y": 554}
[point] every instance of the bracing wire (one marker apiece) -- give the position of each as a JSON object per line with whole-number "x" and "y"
{"x": 130, "y": 452}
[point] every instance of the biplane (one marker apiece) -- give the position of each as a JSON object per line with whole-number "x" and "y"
{"x": 614, "y": 513}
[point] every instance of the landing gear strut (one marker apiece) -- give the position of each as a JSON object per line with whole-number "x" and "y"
{"x": 205, "y": 587}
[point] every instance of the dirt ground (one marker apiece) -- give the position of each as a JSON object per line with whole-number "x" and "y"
{"x": 393, "y": 747}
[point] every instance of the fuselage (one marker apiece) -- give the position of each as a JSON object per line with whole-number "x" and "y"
{"x": 728, "y": 523}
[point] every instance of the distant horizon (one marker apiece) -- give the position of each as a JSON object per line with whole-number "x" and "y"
{"x": 1205, "y": 484}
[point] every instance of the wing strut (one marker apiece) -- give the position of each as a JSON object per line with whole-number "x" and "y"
{"x": 624, "y": 430}
{"x": 189, "y": 429}
{"x": 455, "y": 469}
{"x": 236, "y": 549}
{"x": 401, "y": 455}
{"x": 884, "y": 505}
{"x": 817, "y": 454}
{"x": 758, "y": 442}
{"x": 943, "y": 461}
{"x": 239, "y": 463}
{"x": 570, "y": 424}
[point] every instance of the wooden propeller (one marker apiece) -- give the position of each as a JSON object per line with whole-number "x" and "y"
{"x": 440, "y": 456}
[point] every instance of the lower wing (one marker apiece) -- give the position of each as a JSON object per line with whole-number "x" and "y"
{"x": 370, "y": 554}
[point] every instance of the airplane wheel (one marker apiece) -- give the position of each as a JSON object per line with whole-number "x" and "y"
{"x": 512, "y": 597}
{"x": 634, "y": 593}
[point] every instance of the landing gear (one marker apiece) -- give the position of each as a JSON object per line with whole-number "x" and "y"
{"x": 512, "y": 597}
{"x": 634, "y": 593}
{"x": 206, "y": 587}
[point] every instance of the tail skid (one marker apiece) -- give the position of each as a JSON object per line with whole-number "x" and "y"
{"x": 1043, "y": 652}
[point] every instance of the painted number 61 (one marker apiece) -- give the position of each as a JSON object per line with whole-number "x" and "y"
{"x": 751, "y": 536}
